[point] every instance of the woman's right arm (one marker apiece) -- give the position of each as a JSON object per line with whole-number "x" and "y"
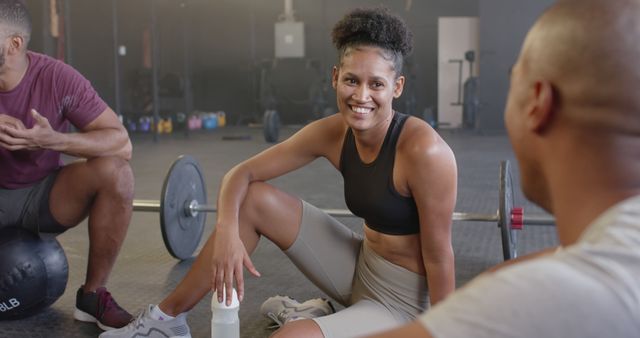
{"x": 229, "y": 254}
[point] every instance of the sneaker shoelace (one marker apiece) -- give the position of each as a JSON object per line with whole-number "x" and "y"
{"x": 285, "y": 315}
{"x": 281, "y": 318}
{"x": 137, "y": 320}
{"x": 278, "y": 319}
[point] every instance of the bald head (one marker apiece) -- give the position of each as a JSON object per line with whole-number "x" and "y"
{"x": 590, "y": 52}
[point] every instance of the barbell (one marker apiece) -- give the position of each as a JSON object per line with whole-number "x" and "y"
{"x": 183, "y": 207}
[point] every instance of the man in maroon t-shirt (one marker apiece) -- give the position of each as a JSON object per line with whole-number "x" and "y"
{"x": 39, "y": 98}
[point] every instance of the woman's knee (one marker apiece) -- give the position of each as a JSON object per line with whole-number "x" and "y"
{"x": 259, "y": 199}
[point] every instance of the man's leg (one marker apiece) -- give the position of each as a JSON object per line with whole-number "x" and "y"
{"x": 266, "y": 211}
{"x": 102, "y": 189}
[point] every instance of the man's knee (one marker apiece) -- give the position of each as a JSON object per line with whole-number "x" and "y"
{"x": 115, "y": 174}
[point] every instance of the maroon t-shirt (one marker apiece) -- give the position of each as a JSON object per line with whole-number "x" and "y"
{"x": 59, "y": 93}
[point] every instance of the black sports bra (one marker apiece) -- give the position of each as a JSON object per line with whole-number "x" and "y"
{"x": 368, "y": 187}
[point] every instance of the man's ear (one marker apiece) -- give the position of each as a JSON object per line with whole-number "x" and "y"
{"x": 542, "y": 106}
{"x": 16, "y": 44}
{"x": 398, "y": 86}
{"x": 334, "y": 77}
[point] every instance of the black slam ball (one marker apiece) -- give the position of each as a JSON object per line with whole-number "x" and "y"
{"x": 33, "y": 272}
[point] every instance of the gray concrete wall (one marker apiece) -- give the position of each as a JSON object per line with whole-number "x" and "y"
{"x": 228, "y": 39}
{"x": 503, "y": 26}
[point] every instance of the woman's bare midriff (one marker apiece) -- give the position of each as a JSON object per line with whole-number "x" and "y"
{"x": 403, "y": 250}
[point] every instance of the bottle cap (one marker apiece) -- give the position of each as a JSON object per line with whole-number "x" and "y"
{"x": 223, "y": 305}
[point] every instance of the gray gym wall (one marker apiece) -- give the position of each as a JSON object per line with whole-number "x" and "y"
{"x": 228, "y": 38}
{"x": 503, "y": 26}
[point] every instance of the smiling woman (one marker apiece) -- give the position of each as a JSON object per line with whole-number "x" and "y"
{"x": 371, "y": 45}
{"x": 366, "y": 83}
{"x": 399, "y": 176}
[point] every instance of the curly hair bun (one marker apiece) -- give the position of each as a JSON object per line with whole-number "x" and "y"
{"x": 373, "y": 26}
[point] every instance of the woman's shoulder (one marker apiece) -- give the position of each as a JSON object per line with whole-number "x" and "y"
{"x": 416, "y": 133}
{"x": 418, "y": 140}
{"x": 322, "y": 137}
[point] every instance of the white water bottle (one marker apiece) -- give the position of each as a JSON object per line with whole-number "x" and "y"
{"x": 225, "y": 322}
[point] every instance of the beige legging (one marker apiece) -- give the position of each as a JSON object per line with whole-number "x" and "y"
{"x": 377, "y": 293}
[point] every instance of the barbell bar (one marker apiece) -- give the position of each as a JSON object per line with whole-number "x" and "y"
{"x": 193, "y": 208}
{"x": 183, "y": 206}
{"x": 538, "y": 220}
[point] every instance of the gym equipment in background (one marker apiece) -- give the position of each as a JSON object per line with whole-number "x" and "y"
{"x": 183, "y": 205}
{"x": 33, "y": 272}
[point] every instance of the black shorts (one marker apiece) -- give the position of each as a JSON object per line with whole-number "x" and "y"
{"x": 29, "y": 207}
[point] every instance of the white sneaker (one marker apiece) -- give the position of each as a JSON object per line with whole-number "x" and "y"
{"x": 147, "y": 327}
{"x": 283, "y": 309}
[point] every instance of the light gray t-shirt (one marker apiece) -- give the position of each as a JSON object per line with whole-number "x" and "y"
{"x": 589, "y": 289}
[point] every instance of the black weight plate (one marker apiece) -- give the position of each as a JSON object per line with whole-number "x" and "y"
{"x": 180, "y": 231}
{"x": 271, "y": 123}
{"x": 512, "y": 198}
{"x": 506, "y": 196}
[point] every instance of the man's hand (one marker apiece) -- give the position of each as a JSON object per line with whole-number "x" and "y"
{"x": 6, "y": 120}
{"x": 15, "y": 136}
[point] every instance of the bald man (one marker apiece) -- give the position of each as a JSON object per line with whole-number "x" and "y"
{"x": 573, "y": 116}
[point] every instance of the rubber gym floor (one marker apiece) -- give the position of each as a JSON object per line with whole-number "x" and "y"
{"x": 145, "y": 272}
